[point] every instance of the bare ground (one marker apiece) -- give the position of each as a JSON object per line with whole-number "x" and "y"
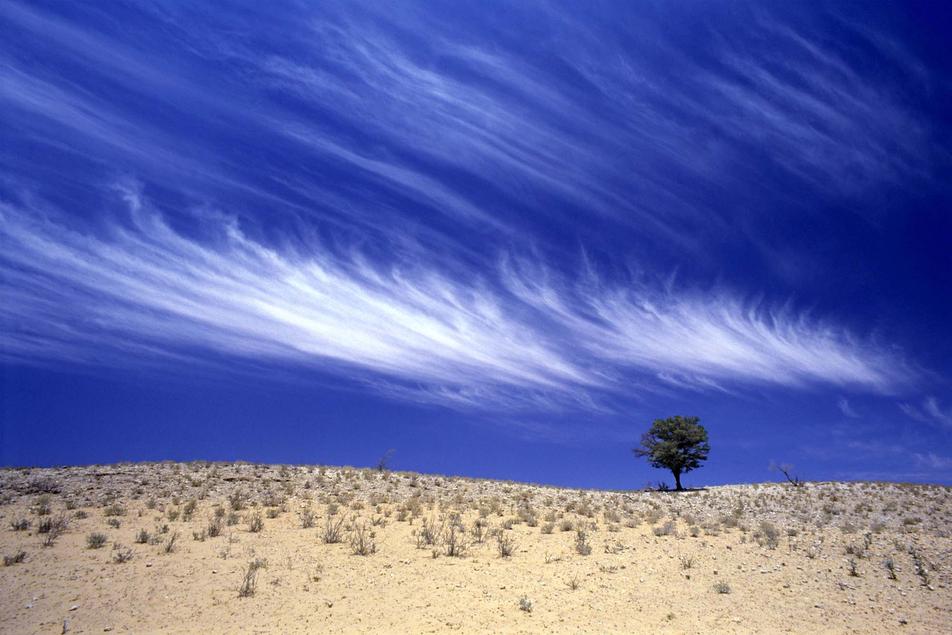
{"x": 206, "y": 547}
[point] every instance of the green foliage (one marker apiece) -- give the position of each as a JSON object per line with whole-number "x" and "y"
{"x": 677, "y": 443}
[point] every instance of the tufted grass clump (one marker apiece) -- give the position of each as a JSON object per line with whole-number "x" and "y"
{"x": 363, "y": 540}
{"x": 249, "y": 582}
{"x": 582, "y": 546}
{"x": 255, "y": 523}
{"x": 525, "y": 604}
{"x": 505, "y": 545}
{"x": 18, "y": 557}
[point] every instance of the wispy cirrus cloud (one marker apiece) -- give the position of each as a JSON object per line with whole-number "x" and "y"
{"x": 515, "y": 338}
{"x": 597, "y": 124}
{"x": 929, "y": 411}
{"x": 847, "y": 408}
{"x": 933, "y": 461}
{"x": 432, "y": 149}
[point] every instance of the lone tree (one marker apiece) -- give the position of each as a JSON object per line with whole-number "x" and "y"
{"x": 677, "y": 443}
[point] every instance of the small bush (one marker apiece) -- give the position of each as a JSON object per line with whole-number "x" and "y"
{"x": 42, "y": 506}
{"x": 20, "y": 524}
{"x": 249, "y": 582}
{"x": 307, "y": 518}
{"x": 505, "y": 545}
{"x": 722, "y": 588}
{"x": 142, "y": 537}
{"x": 582, "y": 547}
{"x": 428, "y": 534}
{"x": 767, "y": 535}
{"x": 525, "y": 604}
{"x": 53, "y": 528}
{"x": 214, "y": 527}
{"x": 362, "y": 540}
{"x": 121, "y": 554}
{"x": 666, "y": 529}
{"x": 919, "y": 565}
{"x": 890, "y": 568}
{"x": 42, "y": 485}
{"x": 478, "y": 530}
{"x": 237, "y": 501}
{"x": 454, "y": 541}
{"x": 852, "y": 566}
{"x": 255, "y": 523}
{"x": 333, "y": 530}
{"x": 16, "y": 558}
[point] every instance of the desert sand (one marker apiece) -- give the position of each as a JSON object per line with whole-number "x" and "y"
{"x": 226, "y": 548}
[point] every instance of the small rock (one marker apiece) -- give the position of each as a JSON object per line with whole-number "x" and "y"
{"x": 74, "y": 607}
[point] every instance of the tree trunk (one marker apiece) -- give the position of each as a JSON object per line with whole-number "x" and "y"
{"x": 677, "y": 481}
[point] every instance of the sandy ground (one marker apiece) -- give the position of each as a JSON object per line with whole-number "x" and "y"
{"x": 738, "y": 559}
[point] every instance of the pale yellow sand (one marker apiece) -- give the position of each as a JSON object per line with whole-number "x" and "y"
{"x": 632, "y": 581}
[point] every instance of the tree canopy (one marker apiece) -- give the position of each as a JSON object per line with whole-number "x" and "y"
{"x": 677, "y": 443}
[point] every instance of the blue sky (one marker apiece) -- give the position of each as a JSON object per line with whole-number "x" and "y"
{"x": 500, "y": 238}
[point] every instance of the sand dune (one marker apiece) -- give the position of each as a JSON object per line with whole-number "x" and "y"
{"x": 224, "y": 548}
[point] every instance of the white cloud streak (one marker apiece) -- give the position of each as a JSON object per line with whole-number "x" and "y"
{"x": 521, "y": 337}
{"x": 846, "y": 408}
{"x": 933, "y": 461}
{"x": 928, "y": 412}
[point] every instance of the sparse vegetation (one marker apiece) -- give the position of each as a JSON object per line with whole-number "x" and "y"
{"x": 722, "y": 588}
{"x": 20, "y": 524}
{"x": 582, "y": 546}
{"x": 249, "y": 582}
{"x": 525, "y": 604}
{"x": 121, "y": 554}
{"x": 505, "y": 545}
{"x": 255, "y": 522}
{"x": 333, "y": 531}
{"x": 773, "y": 540}
{"x": 18, "y": 557}
{"x": 362, "y": 540}
{"x": 53, "y": 528}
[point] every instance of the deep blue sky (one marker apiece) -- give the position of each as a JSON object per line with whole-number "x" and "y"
{"x": 500, "y": 238}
